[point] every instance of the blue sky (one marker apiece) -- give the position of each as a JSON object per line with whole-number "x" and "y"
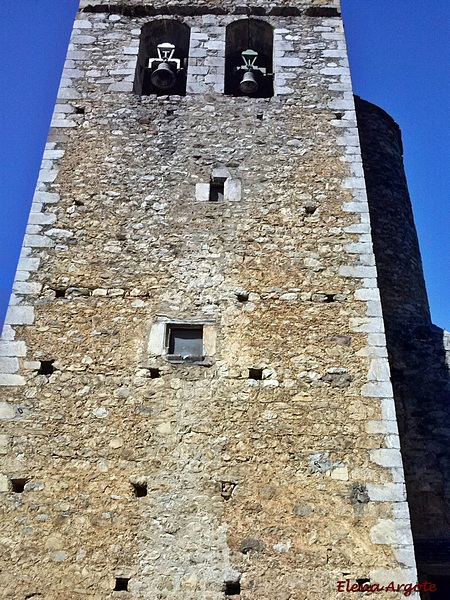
{"x": 399, "y": 56}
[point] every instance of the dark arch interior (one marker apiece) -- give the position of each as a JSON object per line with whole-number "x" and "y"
{"x": 247, "y": 34}
{"x": 152, "y": 34}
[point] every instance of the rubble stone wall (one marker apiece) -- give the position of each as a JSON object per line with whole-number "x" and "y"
{"x": 273, "y": 464}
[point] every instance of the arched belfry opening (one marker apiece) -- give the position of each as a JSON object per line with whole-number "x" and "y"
{"x": 248, "y": 59}
{"x": 162, "y": 58}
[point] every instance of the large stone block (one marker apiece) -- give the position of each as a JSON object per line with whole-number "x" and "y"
{"x": 202, "y": 192}
{"x": 7, "y": 410}
{"x": 20, "y": 315}
{"x": 9, "y": 365}
{"x": 232, "y": 190}
{"x": 11, "y": 380}
{"x": 377, "y": 389}
{"x": 357, "y": 271}
{"x": 28, "y": 264}
{"x": 379, "y": 370}
{"x": 11, "y": 348}
{"x": 389, "y": 492}
{"x": 38, "y": 241}
{"x": 386, "y": 457}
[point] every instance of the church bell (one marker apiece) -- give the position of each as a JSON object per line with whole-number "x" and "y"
{"x": 248, "y": 84}
{"x": 163, "y": 77}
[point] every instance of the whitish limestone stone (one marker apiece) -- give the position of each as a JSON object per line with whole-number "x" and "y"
{"x": 355, "y": 207}
{"x": 373, "y": 351}
{"x": 47, "y": 176}
{"x": 7, "y": 411}
{"x": 382, "y": 427}
{"x": 389, "y": 492}
{"x": 22, "y": 287}
{"x": 374, "y": 309}
{"x": 367, "y": 294}
{"x": 10, "y": 348}
{"x": 232, "y": 190}
{"x": 38, "y": 241}
{"x": 340, "y": 473}
{"x": 9, "y": 365}
{"x": 405, "y": 556}
{"x": 7, "y": 379}
{"x": 20, "y": 315}
{"x": 398, "y": 576}
{"x": 377, "y": 389}
{"x": 388, "y": 408}
{"x": 202, "y": 192}
{"x": 367, "y": 324}
{"x": 156, "y": 338}
{"x": 357, "y": 271}
{"x": 46, "y": 197}
{"x": 386, "y": 457}
{"x": 379, "y": 370}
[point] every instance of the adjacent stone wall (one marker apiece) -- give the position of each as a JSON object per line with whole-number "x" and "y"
{"x": 400, "y": 273}
{"x": 418, "y": 351}
{"x": 273, "y": 466}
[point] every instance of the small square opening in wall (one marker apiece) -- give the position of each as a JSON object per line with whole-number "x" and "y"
{"x": 18, "y": 485}
{"x": 232, "y": 588}
{"x": 216, "y": 191}
{"x": 227, "y": 489}
{"x": 140, "y": 489}
{"x": 154, "y": 373}
{"x": 121, "y": 584}
{"x": 255, "y": 374}
{"x": 59, "y": 292}
{"x": 242, "y": 296}
{"x": 364, "y": 584}
{"x": 46, "y": 367}
{"x": 185, "y": 340}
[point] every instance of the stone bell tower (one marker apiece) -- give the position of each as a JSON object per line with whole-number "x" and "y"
{"x": 196, "y": 392}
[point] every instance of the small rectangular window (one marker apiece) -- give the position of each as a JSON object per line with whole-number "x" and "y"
{"x": 185, "y": 341}
{"x": 182, "y": 341}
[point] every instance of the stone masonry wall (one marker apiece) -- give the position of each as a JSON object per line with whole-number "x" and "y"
{"x": 418, "y": 351}
{"x": 283, "y": 480}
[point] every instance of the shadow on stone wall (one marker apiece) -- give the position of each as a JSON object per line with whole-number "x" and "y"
{"x": 419, "y": 352}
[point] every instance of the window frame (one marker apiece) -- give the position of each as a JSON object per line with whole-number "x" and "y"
{"x": 159, "y": 339}
{"x": 169, "y": 341}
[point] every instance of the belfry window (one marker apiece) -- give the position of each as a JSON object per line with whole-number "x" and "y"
{"x": 162, "y": 59}
{"x": 248, "y": 59}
